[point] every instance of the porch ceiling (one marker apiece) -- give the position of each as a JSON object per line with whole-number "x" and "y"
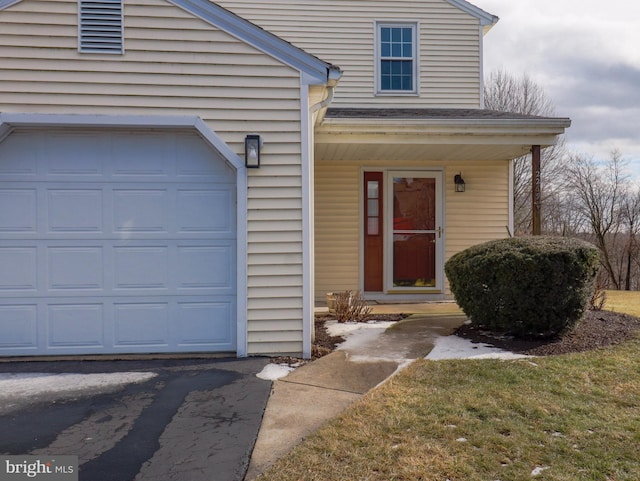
{"x": 432, "y": 134}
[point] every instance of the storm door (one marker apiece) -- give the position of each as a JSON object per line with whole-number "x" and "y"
{"x": 414, "y": 238}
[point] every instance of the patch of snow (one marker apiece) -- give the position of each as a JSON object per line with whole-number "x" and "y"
{"x": 335, "y": 328}
{"x": 538, "y": 471}
{"x": 15, "y": 385}
{"x": 454, "y": 347}
{"x": 360, "y": 337}
{"x": 273, "y": 372}
{"x": 364, "y": 341}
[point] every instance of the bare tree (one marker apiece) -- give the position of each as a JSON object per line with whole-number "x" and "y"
{"x": 599, "y": 191}
{"x": 630, "y": 212}
{"x": 521, "y": 95}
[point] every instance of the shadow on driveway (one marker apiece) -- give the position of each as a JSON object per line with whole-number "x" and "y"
{"x": 183, "y": 420}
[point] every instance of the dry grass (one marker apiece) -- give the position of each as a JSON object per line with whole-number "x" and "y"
{"x": 624, "y": 301}
{"x": 486, "y": 420}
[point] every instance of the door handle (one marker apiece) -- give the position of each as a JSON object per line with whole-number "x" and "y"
{"x": 439, "y": 232}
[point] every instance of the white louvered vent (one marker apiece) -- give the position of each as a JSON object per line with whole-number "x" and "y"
{"x": 100, "y": 26}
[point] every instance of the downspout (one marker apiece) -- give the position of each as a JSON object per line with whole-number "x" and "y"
{"x": 324, "y": 102}
{"x": 481, "y": 39}
{"x": 333, "y": 77}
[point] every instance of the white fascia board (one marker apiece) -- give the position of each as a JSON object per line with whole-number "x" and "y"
{"x": 314, "y": 71}
{"x": 486, "y": 19}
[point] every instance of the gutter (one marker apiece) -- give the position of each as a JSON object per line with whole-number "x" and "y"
{"x": 408, "y": 124}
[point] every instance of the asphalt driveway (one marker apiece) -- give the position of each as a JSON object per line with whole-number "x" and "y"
{"x": 160, "y": 420}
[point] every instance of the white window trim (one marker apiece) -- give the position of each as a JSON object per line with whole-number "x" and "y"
{"x": 105, "y": 51}
{"x": 415, "y": 27}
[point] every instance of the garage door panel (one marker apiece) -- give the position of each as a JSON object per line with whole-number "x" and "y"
{"x": 75, "y": 268}
{"x": 137, "y": 210}
{"x": 198, "y": 167}
{"x": 141, "y": 267}
{"x": 18, "y": 210}
{"x": 197, "y": 217}
{"x": 75, "y": 325}
{"x": 73, "y": 156}
{"x": 19, "y": 269}
{"x": 115, "y": 242}
{"x": 75, "y": 211}
{"x": 206, "y": 267}
{"x": 141, "y": 155}
{"x": 19, "y": 157}
{"x": 206, "y": 323}
{"x": 18, "y": 323}
{"x": 119, "y": 325}
{"x": 141, "y": 324}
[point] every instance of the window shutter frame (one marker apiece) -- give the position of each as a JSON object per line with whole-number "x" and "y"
{"x": 101, "y": 26}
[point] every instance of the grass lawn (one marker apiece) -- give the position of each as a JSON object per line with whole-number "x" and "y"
{"x": 624, "y": 301}
{"x": 571, "y": 417}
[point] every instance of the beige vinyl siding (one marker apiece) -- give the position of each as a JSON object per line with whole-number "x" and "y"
{"x": 342, "y": 32}
{"x": 176, "y": 64}
{"x": 337, "y": 227}
{"x": 477, "y": 215}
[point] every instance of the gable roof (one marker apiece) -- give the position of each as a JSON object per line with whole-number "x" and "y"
{"x": 314, "y": 70}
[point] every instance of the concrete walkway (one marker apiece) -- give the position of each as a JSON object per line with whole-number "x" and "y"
{"x": 303, "y": 401}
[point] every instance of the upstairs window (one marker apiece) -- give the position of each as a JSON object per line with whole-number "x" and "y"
{"x": 100, "y": 26}
{"x": 397, "y": 58}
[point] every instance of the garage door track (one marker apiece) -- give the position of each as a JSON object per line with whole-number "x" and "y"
{"x": 160, "y": 420}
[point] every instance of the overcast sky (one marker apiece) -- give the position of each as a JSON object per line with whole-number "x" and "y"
{"x": 585, "y": 54}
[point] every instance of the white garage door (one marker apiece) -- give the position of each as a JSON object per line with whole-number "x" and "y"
{"x": 115, "y": 242}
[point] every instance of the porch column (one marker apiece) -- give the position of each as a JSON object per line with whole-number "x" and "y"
{"x": 535, "y": 189}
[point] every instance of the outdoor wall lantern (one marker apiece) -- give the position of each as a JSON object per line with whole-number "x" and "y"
{"x": 459, "y": 183}
{"x": 252, "y": 145}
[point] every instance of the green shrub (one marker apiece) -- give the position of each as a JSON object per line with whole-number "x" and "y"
{"x": 525, "y": 286}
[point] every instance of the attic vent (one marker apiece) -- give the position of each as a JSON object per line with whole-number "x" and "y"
{"x": 100, "y": 26}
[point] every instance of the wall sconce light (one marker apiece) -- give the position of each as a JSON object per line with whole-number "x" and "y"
{"x": 459, "y": 183}
{"x": 252, "y": 145}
